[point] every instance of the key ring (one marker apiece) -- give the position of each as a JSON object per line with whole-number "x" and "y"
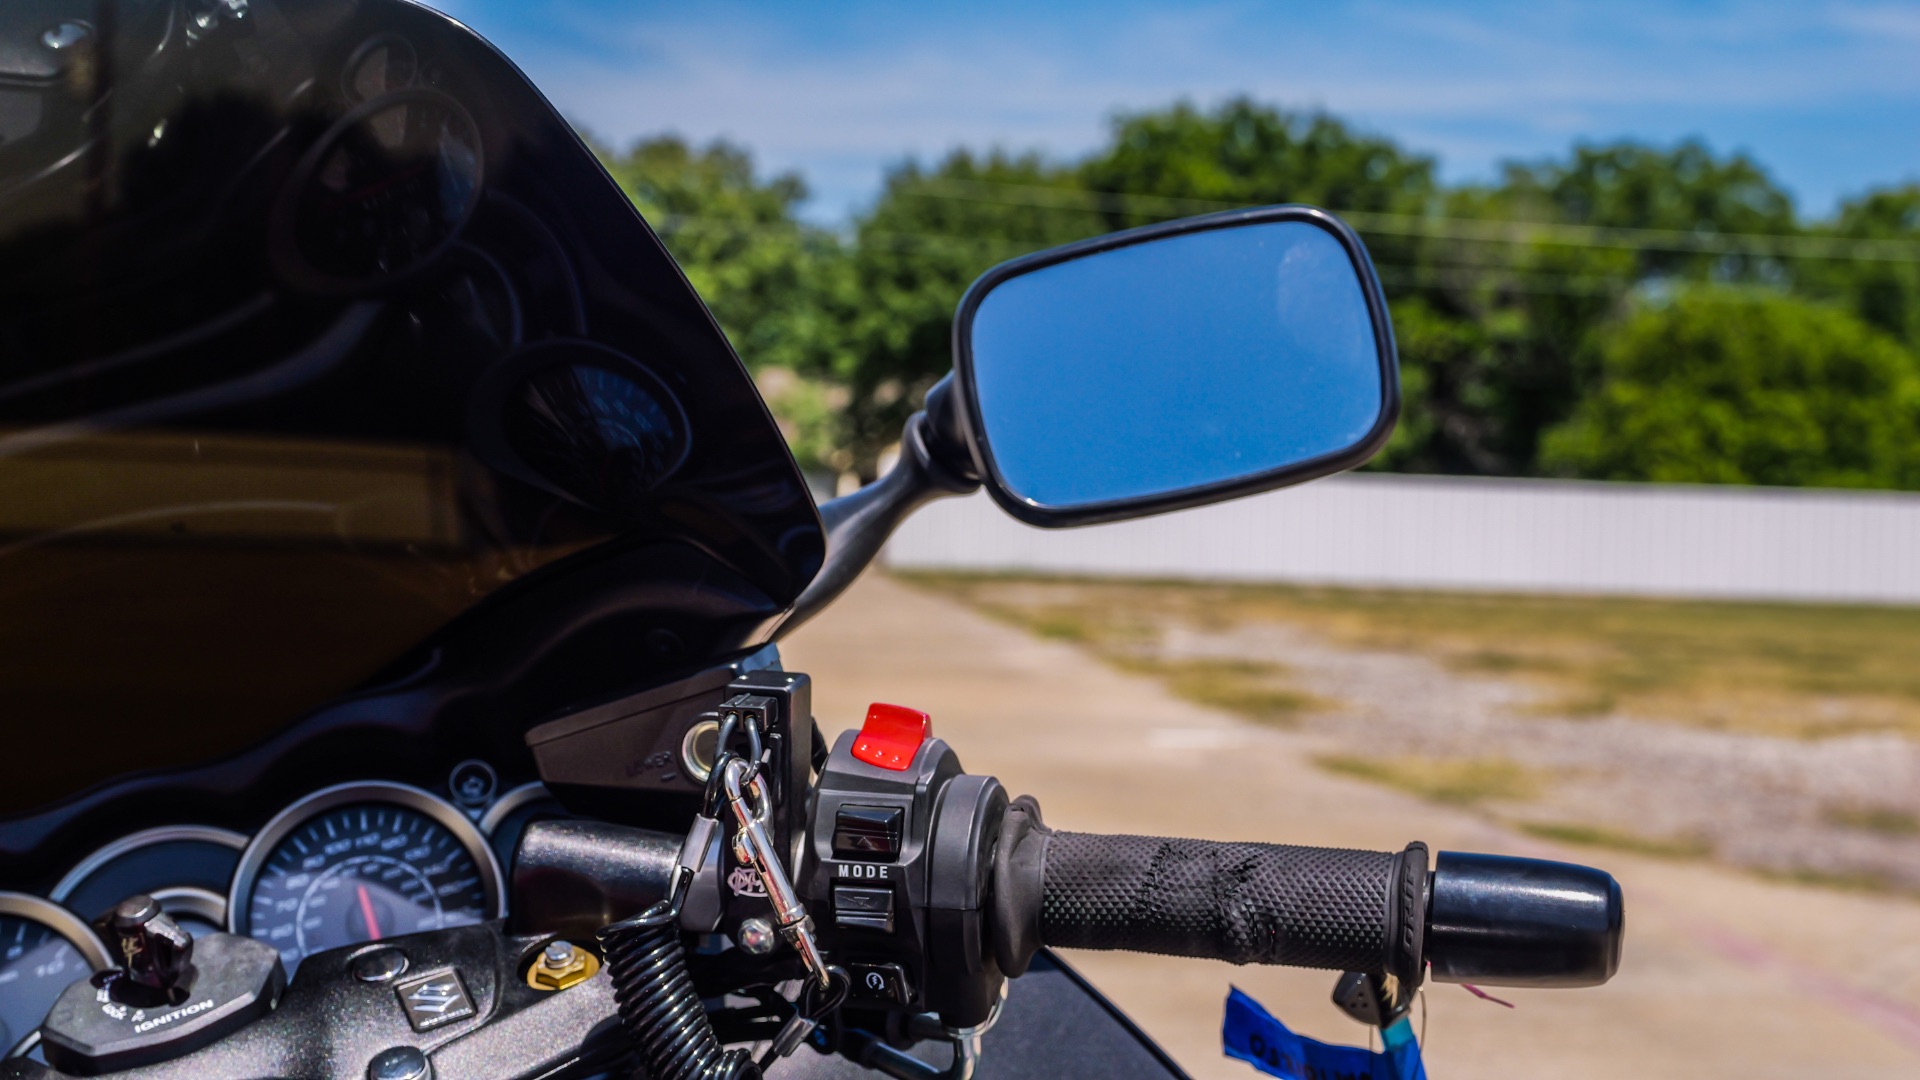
{"x": 746, "y": 796}
{"x": 743, "y": 784}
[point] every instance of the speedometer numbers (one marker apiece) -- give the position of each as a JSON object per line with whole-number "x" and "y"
{"x": 43, "y": 949}
{"x": 363, "y": 872}
{"x": 36, "y": 963}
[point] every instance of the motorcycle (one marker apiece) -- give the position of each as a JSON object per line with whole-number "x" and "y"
{"x": 396, "y": 555}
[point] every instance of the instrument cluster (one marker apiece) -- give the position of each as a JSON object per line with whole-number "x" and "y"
{"x": 346, "y": 864}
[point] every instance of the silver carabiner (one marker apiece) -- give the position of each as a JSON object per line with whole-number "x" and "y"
{"x": 752, "y": 809}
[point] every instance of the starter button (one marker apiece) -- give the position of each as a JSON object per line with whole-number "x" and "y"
{"x": 867, "y": 832}
{"x": 892, "y": 736}
{"x": 887, "y": 982}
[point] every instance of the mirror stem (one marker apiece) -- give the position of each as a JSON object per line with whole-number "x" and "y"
{"x": 934, "y": 464}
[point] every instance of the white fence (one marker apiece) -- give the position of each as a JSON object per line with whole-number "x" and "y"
{"x": 1370, "y": 529}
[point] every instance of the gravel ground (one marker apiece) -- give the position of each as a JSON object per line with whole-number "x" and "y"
{"x": 1762, "y": 802}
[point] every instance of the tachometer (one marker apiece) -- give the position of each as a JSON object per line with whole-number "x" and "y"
{"x": 583, "y": 421}
{"x": 43, "y": 948}
{"x": 362, "y": 862}
{"x": 186, "y": 867}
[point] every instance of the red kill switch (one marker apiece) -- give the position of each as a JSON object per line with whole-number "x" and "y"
{"x": 891, "y": 736}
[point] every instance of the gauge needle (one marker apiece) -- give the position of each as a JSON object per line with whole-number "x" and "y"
{"x": 366, "y": 909}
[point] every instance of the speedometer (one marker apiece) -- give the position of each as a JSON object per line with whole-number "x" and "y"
{"x": 358, "y": 863}
{"x": 43, "y": 948}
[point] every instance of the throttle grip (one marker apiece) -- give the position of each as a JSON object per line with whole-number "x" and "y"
{"x": 1487, "y": 919}
{"x": 1244, "y": 903}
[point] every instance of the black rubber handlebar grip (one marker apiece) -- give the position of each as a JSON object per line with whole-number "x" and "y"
{"x": 1245, "y": 903}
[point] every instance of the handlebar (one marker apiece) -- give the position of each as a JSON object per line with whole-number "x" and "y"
{"x": 1244, "y": 903}
{"x": 1488, "y": 919}
{"x": 1473, "y": 918}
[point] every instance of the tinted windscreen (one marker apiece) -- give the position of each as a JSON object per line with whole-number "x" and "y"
{"x": 318, "y": 330}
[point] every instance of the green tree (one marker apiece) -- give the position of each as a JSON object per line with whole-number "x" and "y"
{"x": 1632, "y": 185}
{"x": 1511, "y": 299}
{"x": 1736, "y": 386}
{"x": 1498, "y": 322}
{"x": 768, "y": 278}
{"x": 933, "y": 230}
{"x": 735, "y": 236}
{"x": 1881, "y": 281}
{"x": 1242, "y": 153}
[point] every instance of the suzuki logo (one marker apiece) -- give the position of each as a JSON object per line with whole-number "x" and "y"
{"x": 435, "y": 997}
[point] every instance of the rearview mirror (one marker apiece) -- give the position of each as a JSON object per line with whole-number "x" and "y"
{"x": 1175, "y": 365}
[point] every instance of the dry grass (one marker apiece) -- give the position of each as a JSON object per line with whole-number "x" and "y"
{"x": 1883, "y": 820}
{"x": 1684, "y": 847}
{"x": 1784, "y": 669}
{"x": 1865, "y": 883}
{"x": 1257, "y": 691}
{"x": 1453, "y": 782}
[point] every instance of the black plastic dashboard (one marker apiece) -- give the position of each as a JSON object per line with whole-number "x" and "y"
{"x": 343, "y": 864}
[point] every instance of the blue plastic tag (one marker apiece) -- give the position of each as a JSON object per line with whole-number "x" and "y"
{"x": 1251, "y": 1034}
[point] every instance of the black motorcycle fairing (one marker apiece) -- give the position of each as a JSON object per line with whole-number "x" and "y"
{"x": 332, "y": 363}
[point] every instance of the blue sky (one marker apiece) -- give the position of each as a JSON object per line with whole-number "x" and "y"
{"x": 1825, "y": 94}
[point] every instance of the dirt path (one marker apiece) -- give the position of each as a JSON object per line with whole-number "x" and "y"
{"x": 1724, "y": 975}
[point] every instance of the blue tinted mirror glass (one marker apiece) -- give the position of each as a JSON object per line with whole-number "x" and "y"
{"x": 1176, "y": 363}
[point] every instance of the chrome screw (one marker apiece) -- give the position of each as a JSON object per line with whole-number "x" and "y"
{"x": 757, "y": 936}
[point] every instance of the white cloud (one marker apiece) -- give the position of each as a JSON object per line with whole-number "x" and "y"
{"x": 1495, "y": 81}
{"x": 1897, "y": 21}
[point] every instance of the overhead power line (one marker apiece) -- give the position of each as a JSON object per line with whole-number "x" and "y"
{"x": 1467, "y": 269}
{"x": 1487, "y": 230}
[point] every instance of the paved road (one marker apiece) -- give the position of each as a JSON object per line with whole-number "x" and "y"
{"x": 1724, "y": 975}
